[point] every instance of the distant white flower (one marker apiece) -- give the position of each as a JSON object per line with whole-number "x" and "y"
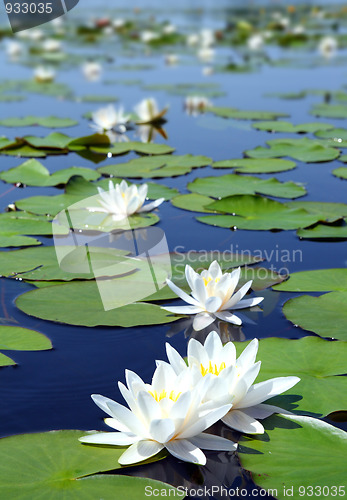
{"x": 108, "y": 118}
{"x": 196, "y": 104}
{"x": 232, "y": 380}
{"x": 193, "y": 40}
{"x": 148, "y": 36}
{"x": 207, "y": 37}
{"x": 122, "y": 200}
{"x": 92, "y": 71}
{"x": 171, "y": 59}
{"x": 51, "y": 45}
{"x": 212, "y": 296}
{"x": 148, "y": 111}
{"x": 169, "y": 29}
{"x": 206, "y": 54}
{"x": 255, "y": 42}
{"x": 328, "y": 47}
{"x": 35, "y": 35}
{"x": 119, "y": 23}
{"x": 14, "y": 49}
{"x": 163, "y": 414}
{"x": 298, "y": 30}
{"x": 44, "y": 75}
{"x": 282, "y": 21}
{"x": 207, "y": 70}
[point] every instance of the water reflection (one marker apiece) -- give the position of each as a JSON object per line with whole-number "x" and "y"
{"x": 226, "y": 331}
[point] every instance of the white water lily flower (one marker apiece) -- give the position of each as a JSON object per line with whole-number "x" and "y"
{"x": 92, "y": 71}
{"x": 108, "y": 118}
{"x": 44, "y": 75}
{"x": 196, "y": 104}
{"x": 206, "y": 54}
{"x": 51, "y": 45}
{"x": 148, "y": 36}
{"x": 14, "y": 49}
{"x": 119, "y": 23}
{"x": 122, "y": 200}
{"x": 212, "y": 296}
{"x": 207, "y": 37}
{"x": 148, "y": 111}
{"x": 192, "y": 40}
{"x": 169, "y": 29}
{"x": 255, "y": 42}
{"x": 163, "y": 414}
{"x": 232, "y": 380}
{"x": 207, "y": 71}
{"x": 35, "y": 35}
{"x": 327, "y": 47}
{"x": 171, "y": 59}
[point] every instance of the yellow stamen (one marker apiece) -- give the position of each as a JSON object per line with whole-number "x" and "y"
{"x": 207, "y": 280}
{"x": 158, "y": 397}
{"x": 212, "y": 369}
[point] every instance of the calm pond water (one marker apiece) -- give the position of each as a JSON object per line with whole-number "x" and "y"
{"x": 51, "y": 390}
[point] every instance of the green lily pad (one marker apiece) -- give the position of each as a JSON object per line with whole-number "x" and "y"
{"x": 245, "y": 115}
{"x": 61, "y": 467}
{"x": 47, "y": 121}
{"x": 55, "y": 140}
{"x": 256, "y": 166}
{"x": 33, "y": 173}
{"x": 98, "y": 98}
{"x": 232, "y": 184}
{"x": 323, "y": 232}
{"x": 138, "y": 147}
{"x": 9, "y": 239}
{"x": 156, "y": 167}
{"x": 282, "y": 461}
{"x": 342, "y": 158}
{"x": 306, "y": 150}
{"x": 329, "y": 110}
{"x": 26, "y": 152}
{"x": 325, "y": 315}
{"x": 11, "y": 98}
{"x": 320, "y": 387}
{"x": 193, "y": 202}
{"x": 257, "y": 213}
{"x": 79, "y": 303}
{"x": 329, "y": 212}
{"x": 88, "y": 141}
{"x": 335, "y": 134}
{"x": 282, "y": 126}
{"x": 340, "y": 172}
{"x": 15, "y": 338}
{"x": 22, "y": 223}
{"x": 323, "y": 280}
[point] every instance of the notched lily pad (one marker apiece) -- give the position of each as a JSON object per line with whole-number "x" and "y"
{"x": 256, "y": 166}
{"x": 322, "y": 280}
{"x": 324, "y": 232}
{"x": 282, "y": 126}
{"x": 138, "y": 147}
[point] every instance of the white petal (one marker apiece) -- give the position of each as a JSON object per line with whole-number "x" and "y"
{"x": 186, "y": 451}
{"x": 126, "y": 417}
{"x": 140, "y": 451}
{"x": 176, "y": 361}
{"x": 183, "y": 309}
{"x": 248, "y": 355}
{"x": 248, "y": 303}
{"x": 111, "y": 438}
{"x": 202, "y": 320}
{"x": 229, "y": 317}
{"x": 162, "y": 430}
{"x": 263, "y": 411}
{"x": 199, "y": 291}
{"x": 264, "y": 390}
{"x": 212, "y": 304}
{"x": 196, "y": 353}
{"x": 211, "y": 442}
{"x": 204, "y": 422}
{"x": 234, "y": 279}
{"x": 148, "y": 407}
{"x": 214, "y": 270}
{"x": 183, "y": 295}
{"x": 152, "y": 205}
{"x": 213, "y": 345}
{"x": 115, "y": 424}
{"x": 241, "y": 422}
{"x": 101, "y": 401}
{"x": 238, "y": 296}
{"x": 190, "y": 276}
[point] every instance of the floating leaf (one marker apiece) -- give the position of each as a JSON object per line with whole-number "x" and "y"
{"x": 156, "y": 167}
{"x": 11, "y": 98}
{"x": 22, "y": 223}
{"x": 98, "y": 98}
{"x": 282, "y": 462}
{"x": 15, "y": 338}
{"x": 322, "y": 280}
{"x": 138, "y": 147}
{"x": 79, "y": 303}
{"x": 47, "y": 121}
{"x": 33, "y": 173}
{"x": 324, "y": 232}
{"x": 306, "y": 150}
{"x": 55, "y": 140}
{"x": 88, "y": 141}
{"x": 282, "y": 126}
{"x": 336, "y": 134}
{"x": 193, "y": 202}
{"x": 9, "y": 239}
{"x": 232, "y": 184}
{"x": 256, "y": 166}
{"x": 245, "y": 115}
{"x": 60, "y": 466}
{"x": 257, "y": 213}
{"x": 329, "y": 110}
{"x": 326, "y": 211}
{"x": 340, "y": 172}
{"x": 305, "y": 358}
{"x": 325, "y": 315}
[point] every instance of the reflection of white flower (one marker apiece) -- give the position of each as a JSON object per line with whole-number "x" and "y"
{"x": 109, "y": 117}
{"x": 327, "y": 46}
{"x": 92, "y": 71}
{"x": 44, "y": 75}
{"x": 255, "y": 42}
{"x": 196, "y": 104}
{"x": 14, "y": 49}
{"x": 51, "y": 45}
{"x": 148, "y": 111}
{"x": 122, "y": 200}
{"x": 232, "y": 380}
{"x": 207, "y": 71}
{"x": 171, "y": 59}
{"x": 212, "y": 296}
{"x": 148, "y": 36}
{"x": 206, "y": 54}
{"x": 163, "y": 414}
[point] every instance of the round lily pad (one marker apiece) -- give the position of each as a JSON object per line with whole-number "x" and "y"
{"x": 323, "y": 232}
{"x": 322, "y": 280}
{"x": 282, "y": 126}
{"x": 256, "y": 166}
{"x": 15, "y": 338}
